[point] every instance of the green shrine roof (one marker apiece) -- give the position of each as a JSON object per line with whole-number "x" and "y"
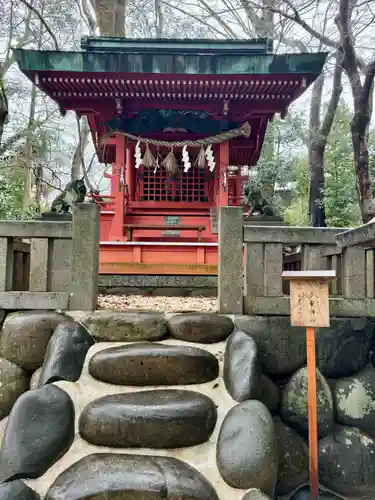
{"x": 177, "y": 46}
{"x": 133, "y": 82}
{"x": 190, "y": 57}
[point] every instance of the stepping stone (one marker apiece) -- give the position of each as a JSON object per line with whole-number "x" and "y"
{"x": 25, "y": 335}
{"x": 149, "y": 419}
{"x": 149, "y": 363}
{"x": 241, "y": 366}
{"x": 17, "y": 490}
{"x": 14, "y": 381}
{"x": 66, "y": 353}
{"x": 246, "y": 452}
{"x": 39, "y": 431}
{"x": 134, "y": 477}
{"x": 126, "y": 326}
{"x": 206, "y": 328}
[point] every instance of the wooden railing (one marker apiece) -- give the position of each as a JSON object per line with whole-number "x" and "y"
{"x": 251, "y": 262}
{"x": 50, "y": 264}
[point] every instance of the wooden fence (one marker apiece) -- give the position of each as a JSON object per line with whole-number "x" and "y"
{"x": 251, "y": 261}
{"x": 50, "y": 264}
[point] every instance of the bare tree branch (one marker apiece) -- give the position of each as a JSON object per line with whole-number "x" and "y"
{"x": 334, "y": 100}
{"x": 42, "y": 20}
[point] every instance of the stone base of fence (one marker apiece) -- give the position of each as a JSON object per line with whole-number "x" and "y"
{"x": 252, "y": 259}
{"x": 63, "y": 265}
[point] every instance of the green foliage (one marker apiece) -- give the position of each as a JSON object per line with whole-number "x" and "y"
{"x": 275, "y": 161}
{"x": 12, "y": 182}
{"x": 287, "y": 163}
{"x": 296, "y": 213}
{"x": 342, "y": 209}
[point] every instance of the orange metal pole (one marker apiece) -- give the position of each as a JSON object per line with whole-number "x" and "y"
{"x": 312, "y": 414}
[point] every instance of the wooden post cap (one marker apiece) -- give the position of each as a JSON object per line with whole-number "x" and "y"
{"x": 309, "y": 275}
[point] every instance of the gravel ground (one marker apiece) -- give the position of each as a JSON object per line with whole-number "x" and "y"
{"x": 163, "y": 304}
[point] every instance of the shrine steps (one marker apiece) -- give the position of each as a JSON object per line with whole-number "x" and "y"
{"x": 158, "y": 258}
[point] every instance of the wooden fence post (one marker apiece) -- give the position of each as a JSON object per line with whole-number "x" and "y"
{"x": 230, "y": 269}
{"x": 85, "y": 257}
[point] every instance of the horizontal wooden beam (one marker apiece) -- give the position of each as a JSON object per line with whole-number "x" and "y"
{"x": 309, "y": 275}
{"x": 363, "y": 236}
{"x": 280, "y": 306}
{"x": 290, "y": 235}
{"x": 35, "y": 229}
{"x": 34, "y": 300}
{"x": 156, "y": 268}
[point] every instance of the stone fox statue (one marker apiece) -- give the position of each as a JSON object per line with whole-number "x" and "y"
{"x": 74, "y": 192}
{"x": 254, "y": 198}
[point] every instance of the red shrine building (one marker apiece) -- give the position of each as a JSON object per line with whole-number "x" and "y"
{"x": 177, "y": 120}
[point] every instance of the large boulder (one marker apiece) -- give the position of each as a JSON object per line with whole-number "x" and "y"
{"x": 17, "y": 490}
{"x": 34, "y": 380}
{"x": 40, "y": 430}
{"x": 149, "y": 419}
{"x": 303, "y": 493}
{"x": 294, "y": 409}
{"x": 132, "y": 477}
{"x": 355, "y": 400}
{"x": 66, "y": 353}
{"x": 282, "y": 348}
{"x": 268, "y": 392}
{"x": 14, "y": 381}
{"x": 246, "y": 453}
{"x": 149, "y": 363}
{"x": 207, "y": 328}
{"x": 293, "y": 458}
{"x": 255, "y": 494}
{"x": 241, "y": 366}
{"x": 343, "y": 348}
{"x": 125, "y": 326}
{"x": 25, "y": 336}
{"x": 347, "y": 462}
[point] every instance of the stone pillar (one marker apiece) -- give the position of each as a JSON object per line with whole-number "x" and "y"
{"x": 230, "y": 271}
{"x": 85, "y": 256}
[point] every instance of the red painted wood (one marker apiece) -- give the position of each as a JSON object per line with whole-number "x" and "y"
{"x": 223, "y": 198}
{"x": 130, "y": 174}
{"x": 236, "y": 110}
{"x": 118, "y": 191}
{"x": 158, "y": 259}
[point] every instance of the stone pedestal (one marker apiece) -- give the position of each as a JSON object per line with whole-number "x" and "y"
{"x": 263, "y": 220}
{"x": 55, "y": 216}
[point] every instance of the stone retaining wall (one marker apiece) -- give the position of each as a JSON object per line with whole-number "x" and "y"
{"x": 162, "y": 285}
{"x": 197, "y": 406}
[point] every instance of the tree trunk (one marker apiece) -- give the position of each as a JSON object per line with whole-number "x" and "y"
{"x": 316, "y": 148}
{"x": 78, "y": 157}
{"x": 318, "y": 136}
{"x": 110, "y": 16}
{"x": 3, "y": 104}
{"x": 359, "y": 130}
{"x": 27, "y": 194}
{"x": 38, "y": 187}
{"x": 316, "y": 183}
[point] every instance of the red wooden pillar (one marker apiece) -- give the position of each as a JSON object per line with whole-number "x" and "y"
{"x": 129, "y": 172}
{"x": 118, "y": 191}
{"x": 223, "y": 198}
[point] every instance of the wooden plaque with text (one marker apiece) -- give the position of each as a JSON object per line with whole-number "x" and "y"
{"x": 309, "y": 305}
